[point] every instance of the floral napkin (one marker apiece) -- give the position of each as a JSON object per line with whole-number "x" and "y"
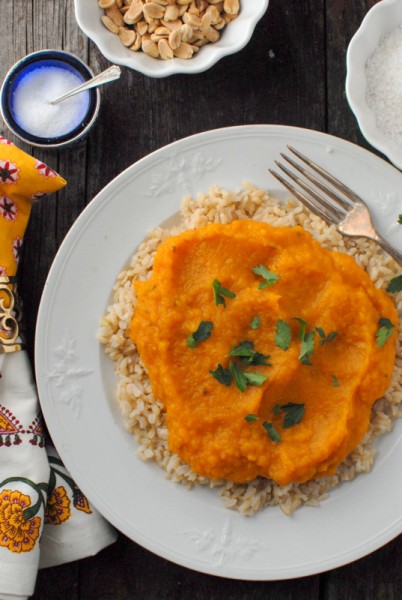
{"x": 45, "y": 519}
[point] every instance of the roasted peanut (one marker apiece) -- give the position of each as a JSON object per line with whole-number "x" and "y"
{"x": 166, "y": 29}
{"x": 106, "y": 3}
{"x": 127, "y": 36}
{"x": 109, "y": 24}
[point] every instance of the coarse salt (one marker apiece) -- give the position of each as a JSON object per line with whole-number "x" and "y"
{"x": 384, "y": 85}
{"x": 32, "y": 108}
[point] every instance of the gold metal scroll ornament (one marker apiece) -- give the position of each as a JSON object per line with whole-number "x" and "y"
{"x": 10, "y": 316}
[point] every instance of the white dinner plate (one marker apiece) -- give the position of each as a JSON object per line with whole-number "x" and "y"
{"x": 76, "y": 380}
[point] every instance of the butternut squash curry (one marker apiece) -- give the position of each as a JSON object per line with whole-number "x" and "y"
{"x": 266, "y": 350}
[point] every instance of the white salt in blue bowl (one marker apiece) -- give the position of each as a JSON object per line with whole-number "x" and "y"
{"x": 32, "y": 83}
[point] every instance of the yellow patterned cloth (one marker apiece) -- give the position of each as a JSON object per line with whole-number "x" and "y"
{"x": 23, "y": 180}
{"x": 45, "y": 519}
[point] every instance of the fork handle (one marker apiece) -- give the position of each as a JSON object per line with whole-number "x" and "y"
{"x": 396, "y": 254}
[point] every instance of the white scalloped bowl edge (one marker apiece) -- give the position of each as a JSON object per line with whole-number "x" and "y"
{"x": 380, "y": 20}
{"x": 234, "y": 38}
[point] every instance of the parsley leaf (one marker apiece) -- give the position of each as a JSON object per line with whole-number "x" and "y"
{"x": 293, "y": 414}
{"x": 276, "y": 410}
{"x": 254, "y": 378}
{"x": 335, "y": 381}
{"x": 400, "y": 219}
{"x": 245, "y": 350}
{"x": 251, "y": 418}
{"x": 240, "y": 379}
{"x": 303, "y": 325}
{"x": 307, "y": 348}
{"x": 384, "y": 332}
{"x": 270, "y": 278}
{"x": 255, "y": 323}
{"x": 260, "y": 359}
{"x": 272, "y": 432}
{"x": 223, "y": 375}
{"x": 283, "y": 334}
{"x": 395, "y": 285}
{"x": 244, "y": 378}
{"x": 219, "y": 292}
{"x": 201, "y": 334}
{"x": 307, "y": 342}
{"x": 325, "y": 339}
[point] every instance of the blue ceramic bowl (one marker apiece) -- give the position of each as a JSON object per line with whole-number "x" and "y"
{"x": 47, "y": 59}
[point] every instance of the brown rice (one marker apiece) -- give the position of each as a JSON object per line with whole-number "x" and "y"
{"x": 144, "y": 415}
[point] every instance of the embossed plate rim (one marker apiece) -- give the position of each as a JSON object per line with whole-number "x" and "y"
{"x": 192, "y": 528}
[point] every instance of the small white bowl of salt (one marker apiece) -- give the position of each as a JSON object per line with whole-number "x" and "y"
{"x": 374, "y": 78}
{"x": 27, "y": 96}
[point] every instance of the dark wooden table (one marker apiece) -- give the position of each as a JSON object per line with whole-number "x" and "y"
{"x": 292, "y": 72}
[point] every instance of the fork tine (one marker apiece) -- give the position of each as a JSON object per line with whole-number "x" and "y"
{"x": 301, "y": 197}
{"x": 330, "y": 178}
{"x": 346, "y": 206}
{"x": 332, "y": 213}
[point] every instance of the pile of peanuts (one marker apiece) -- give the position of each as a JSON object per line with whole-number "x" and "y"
{"x": 168, "y": 28}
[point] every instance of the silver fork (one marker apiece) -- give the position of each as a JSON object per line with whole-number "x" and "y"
{"x": 346, "y": 209}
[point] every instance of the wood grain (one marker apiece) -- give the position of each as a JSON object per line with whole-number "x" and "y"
{"x": 292, "y": 72}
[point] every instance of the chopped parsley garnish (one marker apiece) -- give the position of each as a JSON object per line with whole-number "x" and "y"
{"x": 259, "y": 359}
{"x": 307, "y": 342}
{"x": 255, "y": 322}
{"x": 335, "y": 381}
{"x": 400, "y": 219}
{"x": 272, "y": 432}
{"x": 245, "y": 350}
{"x": 241, "y": 378}
{"x": 244, "y": 378}
{"x": 270, "y": 278}
{"x": 219, "y": 292}
{"x": 238, "y": 375}
{"x": 395, "y": 285}
{"x": 325, "y": 339}
{"x": 251, "y": 418}
{"x": 223, "y": 375}
{"x": 384, "y": 332}
{"x": 293, "y": 414}
{"x": 254, "y": 378}
{"x": 283, "y": 334}
{"x": 201, "y": 334}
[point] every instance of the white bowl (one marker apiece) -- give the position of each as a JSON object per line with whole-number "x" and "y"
{"x": 379, "y": 21}
{"x": 234, "y": 37}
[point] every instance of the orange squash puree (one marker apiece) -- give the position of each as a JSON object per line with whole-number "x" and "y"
{"x": 205, "y": 418}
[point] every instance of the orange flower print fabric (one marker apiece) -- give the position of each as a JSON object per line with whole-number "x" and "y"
{"x": 58, "y": 507}
{"x": 18, "y": 530}
{"x": 23, "y": 180}
{"x": 80, "y": 502}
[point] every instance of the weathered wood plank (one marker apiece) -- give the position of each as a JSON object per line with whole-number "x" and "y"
{"x": 292, "y": 72}
{"x": 58, "y": 583}
{"x": 375, "y": 577}
{"x": 136, "y": 573}
{"x": 24, "y": 28}
{"x": 266, "y": 82}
